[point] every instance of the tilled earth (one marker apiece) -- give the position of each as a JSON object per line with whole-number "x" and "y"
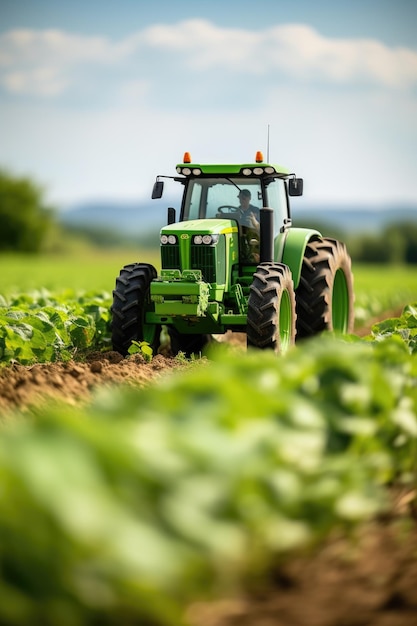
{"x": 371, "y": 581}
{"x": 74, "y": 381}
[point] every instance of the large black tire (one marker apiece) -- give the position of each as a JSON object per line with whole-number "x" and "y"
{"x": 130, "y": 302}
{"x": 271, "y": 308}
{"x": 324, "y": 295}
{"x": 188, "y": 344}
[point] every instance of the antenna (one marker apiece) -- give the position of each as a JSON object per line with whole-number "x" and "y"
{"x": 267, "y": 147}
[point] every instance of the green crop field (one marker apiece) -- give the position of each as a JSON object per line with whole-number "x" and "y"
{"x": 96, "y": 270}
{"x": 54, "y": 306}
{"x": 148, "y": 500}
{"x": 385, "y": 279}
{"x": 88, "y": 270}
{"x": 377, "y": 287}
{"x": 144, "y": 501}
{"x": 380, "y": 288}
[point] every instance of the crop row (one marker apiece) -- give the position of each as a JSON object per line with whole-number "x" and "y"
{"x": 43, "y": 326}
{"x": 403, "y": 327}
{"x": 149, "y": 499}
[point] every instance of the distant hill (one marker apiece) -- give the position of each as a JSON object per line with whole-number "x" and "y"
{"x": 353, "y": 219}
{"x": 151, "y": 215}
{"x": 125, "y": 217}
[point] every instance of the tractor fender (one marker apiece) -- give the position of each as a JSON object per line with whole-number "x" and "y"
{"x": 294, "y": 248}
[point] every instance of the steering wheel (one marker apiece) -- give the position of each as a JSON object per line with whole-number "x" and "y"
{"x": 234, "y": 209}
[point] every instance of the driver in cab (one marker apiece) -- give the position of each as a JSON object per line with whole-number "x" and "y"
{"x": 249, "y": 218}
{"x": 248, "y": 213}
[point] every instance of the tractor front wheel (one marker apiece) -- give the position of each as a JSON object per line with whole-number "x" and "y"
{"x": 130, "y": 302}
{"x": 325, "y": 292}
{"x": 271, "y": 308}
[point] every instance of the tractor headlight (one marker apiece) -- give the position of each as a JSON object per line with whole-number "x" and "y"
{"x": 208, "y": 240}
{"x": 168, "y": 239}
{"x": 187, "y": 171}
{"x": 258, "y": 171}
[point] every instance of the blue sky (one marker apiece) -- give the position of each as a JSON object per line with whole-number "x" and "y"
{"x": 97, "y": 98}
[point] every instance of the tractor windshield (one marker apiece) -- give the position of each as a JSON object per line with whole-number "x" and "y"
{"x": 225, "y": 197}
{"x": 206, "y": 196}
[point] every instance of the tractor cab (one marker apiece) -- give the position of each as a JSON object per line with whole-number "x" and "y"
{"x": 236, "y": 193}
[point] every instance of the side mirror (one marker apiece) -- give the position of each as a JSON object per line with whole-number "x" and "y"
{"x": 295, "y": 187}
{"x": 171, "y": 215}
{"x": 158, "y": 190}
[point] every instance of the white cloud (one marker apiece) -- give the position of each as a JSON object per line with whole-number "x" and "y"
{"x": 33, "y": 47}
{"x": 47, "y": 63}
{"x": 41, "y": 63}
{"x": 207, "y": 45}
{"x": 40, "y": 81}
{"x": 112, "y": 114}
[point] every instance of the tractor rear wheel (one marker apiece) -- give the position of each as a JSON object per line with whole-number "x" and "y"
{"x": 325, "y": 293}
{"x": 130, "y": 302}
{"x": 271, "y": 308}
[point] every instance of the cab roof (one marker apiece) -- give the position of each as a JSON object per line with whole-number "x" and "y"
{"x": 257, "y": 168}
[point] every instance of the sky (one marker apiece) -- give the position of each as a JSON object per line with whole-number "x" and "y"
{"x": 99, "y": 97}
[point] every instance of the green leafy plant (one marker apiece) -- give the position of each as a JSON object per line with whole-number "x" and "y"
{"x": 41, "y": 326}
{"x": 404, "y": 327}
{"x": 150, "y": 498}
{"x": 143, "y": 348}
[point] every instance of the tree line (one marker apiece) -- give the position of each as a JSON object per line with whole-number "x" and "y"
{"x": 396, "y": 243}
{"x": 26, "y": 220}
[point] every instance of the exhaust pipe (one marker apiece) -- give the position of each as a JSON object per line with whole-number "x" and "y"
{"x": 266, "y": 248}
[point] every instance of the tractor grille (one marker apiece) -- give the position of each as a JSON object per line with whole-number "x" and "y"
{"x": 211, "y": 260}
{"x": 204, "y": 258}
{"x": 170, "y": 257}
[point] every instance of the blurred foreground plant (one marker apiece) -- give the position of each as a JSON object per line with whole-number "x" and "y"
{"x": 126, "y": 510}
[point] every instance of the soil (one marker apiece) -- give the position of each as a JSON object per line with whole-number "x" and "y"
{"x": 74, "y": 381}
{"x": 371, "y": 581}
{"x": 368, "y": 580}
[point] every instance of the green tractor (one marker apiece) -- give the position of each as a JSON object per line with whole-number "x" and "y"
{"x": 232, "y": 261}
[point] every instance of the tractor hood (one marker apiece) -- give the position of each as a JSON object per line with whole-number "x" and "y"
{"x": 209, "y": 246}
{"x": 204, "y": 227}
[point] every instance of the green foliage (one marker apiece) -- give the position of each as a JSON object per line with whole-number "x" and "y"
{"x": 44, "y": 327}
{"x": 143, "y": 348}
{"x": 404, "y": 327}
{"x": 148, "y": 499}
{"x": 25, "y": 220}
